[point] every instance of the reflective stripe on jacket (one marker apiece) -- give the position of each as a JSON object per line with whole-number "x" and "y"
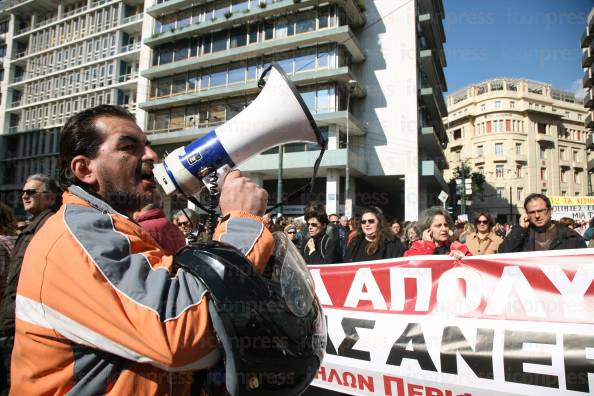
{"x": 98, "y": 310}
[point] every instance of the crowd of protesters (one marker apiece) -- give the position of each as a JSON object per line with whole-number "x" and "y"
{"x": 321, "y": 238}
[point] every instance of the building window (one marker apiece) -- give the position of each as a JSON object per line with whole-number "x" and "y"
{"x": 479, "y": 151}
{"x": 543, "y": 173}
{"x": 497, "y": 104}
{"x": 519, "y": 194}
{"x": 576, "y": 156}
{"x": 543, "y": 153}
{"x": 500, "y": 192}
{"x": 458, "y": 155}
{"x": 499, "y": 171}
{"x": 542, "y": 128}
{"x": 518, "y": 171}
{"x": 512, "y": 104}
{"x": 518, "y": 148}
{"x": 564, "y": 176}
{"x": 457, "y": 134}
{"x": 579, "y": 117}
{"x": 498, "y": 148}
{"x": 562, "y": 155}
{"x": 563, "y": 193}
{"x": 483, "y": 107}
{"x": 576, "y": 177}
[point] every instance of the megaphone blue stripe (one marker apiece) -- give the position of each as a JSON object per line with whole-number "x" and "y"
{"x": 205, "y": 152}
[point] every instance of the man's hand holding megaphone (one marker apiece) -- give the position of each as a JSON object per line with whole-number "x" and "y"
{"x": 240, "y": 193}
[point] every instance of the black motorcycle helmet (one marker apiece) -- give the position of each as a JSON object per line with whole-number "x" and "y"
{"x": 270, "y": 326}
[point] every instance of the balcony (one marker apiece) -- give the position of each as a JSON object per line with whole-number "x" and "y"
{"x": 431, "y": 174}
{"x": 431, "y": 31}
{"x": 13, "y": 129}
{"x": 586, "y": 38}
{"x": 130, "y": 47}
{"x": 588, "y": 56}
{"x": 578, "y": 164}
{"x": 479, "y": 160}
{"x": 132, "y": 18}
{"x": 342, "y": 34}
{"x": 589, "y": 100}
{"x": 433, "y": 69}
{"x": 29, "y": 7}
{"x": 434, "y": 102}
{"x": 241, "y": 17}
{"x": 544, "y": 138}
{"x": 564, "y": 163}
{"x": 521, "y": 158}
{"x": 587, "y": 80}
{"x": 243, "y": 87}
{"x": 430, "y": 141}
{"x": 589, "y": 123}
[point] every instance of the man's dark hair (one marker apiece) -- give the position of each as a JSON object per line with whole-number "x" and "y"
{"x": 79, "y": 136}
{"x": 534, "y": 196}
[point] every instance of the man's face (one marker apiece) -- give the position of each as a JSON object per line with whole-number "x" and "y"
{"x": 123, "y": 165}
{"x": 333, "y": 219}
{"x": 184, "y": 224}
{"x": 344, "y": 221}
{"x": 35, "y": 198}
{"x": 538, "y": 213}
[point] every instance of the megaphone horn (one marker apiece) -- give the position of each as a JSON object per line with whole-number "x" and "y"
{"x": 277, "y": 116}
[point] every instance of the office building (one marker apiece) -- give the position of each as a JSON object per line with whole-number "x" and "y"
{"x": 370, "y": 71}
{"x": 355, "y": 64}
{"x": 60, "y": 57}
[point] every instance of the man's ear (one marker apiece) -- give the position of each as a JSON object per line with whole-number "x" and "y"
{"x": 82, "y": 168}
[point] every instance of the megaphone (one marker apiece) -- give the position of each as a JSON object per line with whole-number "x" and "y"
{"x": 277, "y": 116}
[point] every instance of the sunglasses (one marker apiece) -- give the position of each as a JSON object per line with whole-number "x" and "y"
{"x": 183, "y": 223}
{"x": 30, "y": 192}
{"x": 482, "y": 222}
{"x": 291, "y": 232}
{"x": 539, "y": 211}
{"x": 370, "y": 221}
{"x": 314, "y": 225}
{"x": 335, "y": 222}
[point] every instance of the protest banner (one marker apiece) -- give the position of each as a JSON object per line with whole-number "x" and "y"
{"x": 520, "y": 323}
{"x": 577, "y": 208}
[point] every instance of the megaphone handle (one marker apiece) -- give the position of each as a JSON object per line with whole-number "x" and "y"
{"x": 211, "y": 182}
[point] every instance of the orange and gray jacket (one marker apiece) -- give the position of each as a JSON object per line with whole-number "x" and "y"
{"x": 99, "y": 311}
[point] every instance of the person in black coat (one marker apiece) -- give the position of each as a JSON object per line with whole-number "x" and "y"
{"x": 536, "y": 231}
{"x": 319, "y": 247}
{"x": 374, "y": 241}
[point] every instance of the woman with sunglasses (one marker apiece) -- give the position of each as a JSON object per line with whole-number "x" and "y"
{"x": 374, "y": 240}
{"x": 437, "y": 226}
{"x": 319, "y": 248}
{"x": 291, "y": 233}
{"x": 484, "y": 240}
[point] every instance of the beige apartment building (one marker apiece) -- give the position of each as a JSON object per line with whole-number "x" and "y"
{"x": 524, "y": 136}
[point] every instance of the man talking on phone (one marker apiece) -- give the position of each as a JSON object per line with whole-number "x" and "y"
{"x": 536, "y": 231}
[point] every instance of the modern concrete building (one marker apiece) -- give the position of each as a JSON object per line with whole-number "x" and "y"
{"x": 370, "y": 72}
{"x": 587, "y": 45}
{"x": 60, "y": 57}
{"x": 524, "y": 136}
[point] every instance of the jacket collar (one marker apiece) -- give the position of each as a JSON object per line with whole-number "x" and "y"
{"x": 76, "y": 194}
